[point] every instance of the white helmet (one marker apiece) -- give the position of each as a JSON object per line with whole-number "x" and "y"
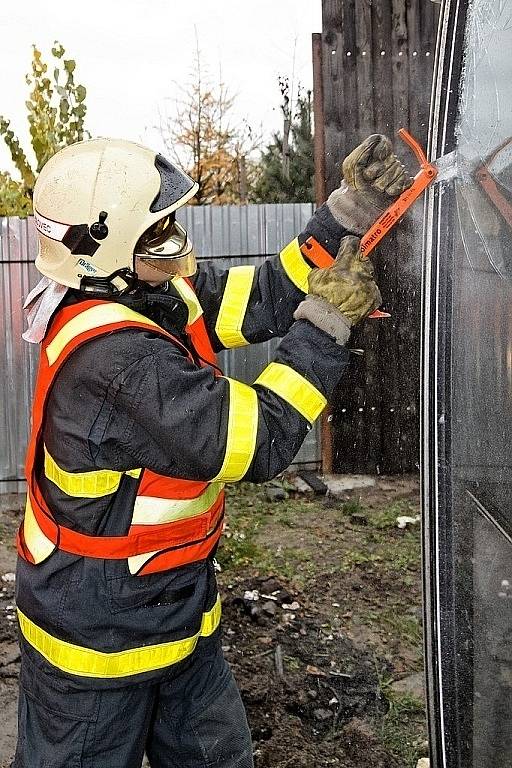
{"x": 100, "y": 203}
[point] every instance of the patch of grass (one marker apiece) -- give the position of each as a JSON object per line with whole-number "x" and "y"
{"x": 245, "y": 512}
{"x": 353, "y": 507}
{"x": 236, "y": 553}
{"x": 396, "y": 622}
{"x": 359, "y": 559}
{"x": 403, "y": 728}
{"x": 386, "y": 518}
{"x": 248, "y": 511}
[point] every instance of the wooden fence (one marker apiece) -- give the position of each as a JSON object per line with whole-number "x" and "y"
{"x": 376, "y": 71}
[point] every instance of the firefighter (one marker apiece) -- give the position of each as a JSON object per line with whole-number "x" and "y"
{"x": 135, "y": 432}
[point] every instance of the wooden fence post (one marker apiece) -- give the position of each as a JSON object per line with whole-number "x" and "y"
{"x": 377, "y": 70}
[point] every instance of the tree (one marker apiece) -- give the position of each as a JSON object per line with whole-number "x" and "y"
{"x": 203, "y": 140}
{"x": 286, "y": 169}
{"x": 55, "y": 111}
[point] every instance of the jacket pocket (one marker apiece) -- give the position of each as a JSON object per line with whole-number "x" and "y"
{"x": 126, "y": 592}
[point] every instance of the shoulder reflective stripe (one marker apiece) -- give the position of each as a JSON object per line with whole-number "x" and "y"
{"x": 189, "y": 297}
{"x": 39, "y": 546}
{"x": 86, "y": 485}
{"x": 94, "y": 317}
{"x": 295, "y": 266}
{"x": 242, "y": 431}
{"x": 294, "y": 388}
{"x": 151, "y": 510}
{"x": 86, "y": 662}
{"x": 234, "y": 306}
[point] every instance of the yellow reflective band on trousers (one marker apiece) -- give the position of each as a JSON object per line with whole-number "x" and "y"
{"x": 294, "y": 388}
{"x": 86, "y": 662}
{"x": 86, "y": 485}
{"x": 39, "y": 545}
{"x": 295, "y": 266}
{"x": 187, "y": 294}
{"x": 95, "y": 317}
{"x": 242, "y": 431}
{"x": 234, "y": 306}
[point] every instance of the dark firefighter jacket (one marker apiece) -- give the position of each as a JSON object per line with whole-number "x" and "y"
{"x": 134, "y": 399}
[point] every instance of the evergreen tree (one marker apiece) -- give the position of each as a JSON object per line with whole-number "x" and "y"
{"x": 286, "y": 172}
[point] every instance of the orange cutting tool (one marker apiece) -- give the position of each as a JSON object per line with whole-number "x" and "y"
{"x": 393, "y": 214}
{"x": 425, "y": 176}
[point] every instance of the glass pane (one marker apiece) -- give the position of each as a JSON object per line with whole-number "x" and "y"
{"x": 474, "y": 403}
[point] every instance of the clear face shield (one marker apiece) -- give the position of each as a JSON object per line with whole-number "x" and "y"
{"x": 166, "y": 248}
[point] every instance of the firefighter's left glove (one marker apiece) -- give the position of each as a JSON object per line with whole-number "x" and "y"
{"x": 341, "y": 295}
{"x": 373, "y": 177}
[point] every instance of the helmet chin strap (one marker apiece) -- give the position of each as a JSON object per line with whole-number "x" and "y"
{"x": 104, "y": 286}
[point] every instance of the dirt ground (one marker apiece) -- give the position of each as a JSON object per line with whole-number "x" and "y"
{"x": 321, "y": 624}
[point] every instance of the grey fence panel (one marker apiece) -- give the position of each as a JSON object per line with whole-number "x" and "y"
{"x": 18, "y": 360}
{"x": 232, "y": 234}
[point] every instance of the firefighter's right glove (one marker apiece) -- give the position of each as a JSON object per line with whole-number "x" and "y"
{"x": 373, "y": 177}
{"x": 341, "y": 295}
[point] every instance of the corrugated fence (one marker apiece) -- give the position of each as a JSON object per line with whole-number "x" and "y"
{"x": 229, "y": 234}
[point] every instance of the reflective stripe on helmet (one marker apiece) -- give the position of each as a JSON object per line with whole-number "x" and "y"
{"x": 242, "y": 431}
{"x": 55, "y": 230}
{"x": 87, "y": 662}
{"x": 234, "y": 306}
{"x": 294, "y": 389}
{"x": 295, "y": 266}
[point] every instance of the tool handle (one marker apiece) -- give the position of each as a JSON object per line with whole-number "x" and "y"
{"x": 396, "y": 210}
{"x": 389, "y": 218}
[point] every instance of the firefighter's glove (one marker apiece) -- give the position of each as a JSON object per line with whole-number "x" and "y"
{"x": 341, "y": 295}
{"x": 373, "y": 177}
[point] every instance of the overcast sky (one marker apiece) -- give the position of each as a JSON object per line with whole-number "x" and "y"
{"x": 131, "y": 54}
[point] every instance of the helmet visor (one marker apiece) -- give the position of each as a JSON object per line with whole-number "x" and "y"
{"x": 165, "y": 238}
{"x": 165, "y": 246}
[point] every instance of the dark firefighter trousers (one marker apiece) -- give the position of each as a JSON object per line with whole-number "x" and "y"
{"x": 195, "y": 720}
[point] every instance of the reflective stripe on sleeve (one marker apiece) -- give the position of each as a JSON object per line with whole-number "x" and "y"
{"x": 242, "y": 431}
{"x": 294, "y": 388}
{"x": 295, "y": 266}
{"x": 189, "y": 297}
{"x": 89, "y": 319}
{"x": 86, "y": 662}
{"x": 234, "y": 306}
{"x": 86, "y": 485}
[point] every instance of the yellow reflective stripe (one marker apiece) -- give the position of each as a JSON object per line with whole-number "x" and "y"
{"x": 242, "y": 431}
{"x": 95, "y": 317}
{"x": 149, "y": 510}
{"x": 294, "y": 388}
{"x": 85, "y": 485}
{"x": 189, "y": 297}
{"x": 86, "y": 662}
{"x": 136, "y": 562}
{"x": 39, "y": 546}
{"x": 234, "y": 306}
{"x": 295, "y": 266}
